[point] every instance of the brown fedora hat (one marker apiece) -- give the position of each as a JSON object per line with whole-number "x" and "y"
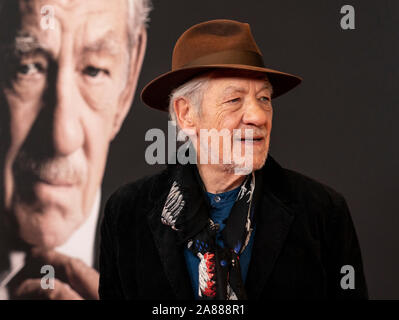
{"x": 216, "y": 44}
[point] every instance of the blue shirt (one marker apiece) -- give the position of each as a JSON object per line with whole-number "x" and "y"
{"x": 221, "y": 205}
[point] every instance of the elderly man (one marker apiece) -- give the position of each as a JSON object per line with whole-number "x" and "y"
{"x": 69, "y": 73}
{"x": 208, "y": 230}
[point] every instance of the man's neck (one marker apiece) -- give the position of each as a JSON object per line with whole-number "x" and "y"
{"x": 217, "y": 179}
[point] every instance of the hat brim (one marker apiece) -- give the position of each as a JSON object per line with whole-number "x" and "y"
{"x": 156, "y": 93}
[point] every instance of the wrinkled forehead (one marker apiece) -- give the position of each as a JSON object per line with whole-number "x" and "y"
{"x": 50, "y": 23}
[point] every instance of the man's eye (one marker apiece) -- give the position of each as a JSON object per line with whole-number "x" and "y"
{"x": 235, "y": 100}
{"x": 265, "y": 99}
{"x": 30, "y": 68}
{"x": 94, "y": 72}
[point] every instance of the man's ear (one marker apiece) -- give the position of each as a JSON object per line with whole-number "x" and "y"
{"x": 185, "y": 114}
{"x": 126, "y": 99}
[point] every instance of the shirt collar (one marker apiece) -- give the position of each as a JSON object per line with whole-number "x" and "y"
{"x": 81, "y": 243}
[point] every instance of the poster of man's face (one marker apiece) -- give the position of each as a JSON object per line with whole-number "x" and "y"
{"x": 69, "y": 72}
{"x": 73, "y": 128}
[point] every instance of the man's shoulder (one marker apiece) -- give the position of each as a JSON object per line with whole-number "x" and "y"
{"x": 296, "y": 187}
{"x": 306, "y": 188}
{"x": 141, "y": 193}
{"x": 134, "y": 190}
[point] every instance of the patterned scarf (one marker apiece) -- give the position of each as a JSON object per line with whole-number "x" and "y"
{"x": 186, "y": 211}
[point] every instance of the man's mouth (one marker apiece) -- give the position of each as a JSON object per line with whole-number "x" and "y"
{"x": 55, "y": 181}
{"x": 252, "y": 140}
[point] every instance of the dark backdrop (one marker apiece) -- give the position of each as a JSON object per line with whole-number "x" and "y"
{"x": 338, "y": 126}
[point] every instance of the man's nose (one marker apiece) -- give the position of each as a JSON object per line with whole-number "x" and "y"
{"x": 256, "y": 113}
{"x": 67, "y": 130}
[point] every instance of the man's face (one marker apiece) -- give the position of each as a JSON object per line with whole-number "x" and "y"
{"x": 66, "y": 92}
{"x": 238, "y": 104}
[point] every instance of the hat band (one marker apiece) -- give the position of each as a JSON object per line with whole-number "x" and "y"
{"x": 249, "y": 58}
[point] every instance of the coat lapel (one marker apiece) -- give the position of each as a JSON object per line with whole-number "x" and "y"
{"x": 272, "y": 226}
{"x": 170, "y": 252}
{"x": 273, "y": 219}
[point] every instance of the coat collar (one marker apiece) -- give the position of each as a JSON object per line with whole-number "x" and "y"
{"x": 273, "y": 217}
{"x": 166, "y": 241}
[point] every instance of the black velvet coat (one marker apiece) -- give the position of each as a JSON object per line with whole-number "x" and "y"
{"x": 304, "y": 236}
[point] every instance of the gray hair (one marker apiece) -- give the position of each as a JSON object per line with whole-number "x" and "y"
{"x": 192, "y": 90}
{"x": 138, "y": 11}
{"x": 137, "y": 17}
